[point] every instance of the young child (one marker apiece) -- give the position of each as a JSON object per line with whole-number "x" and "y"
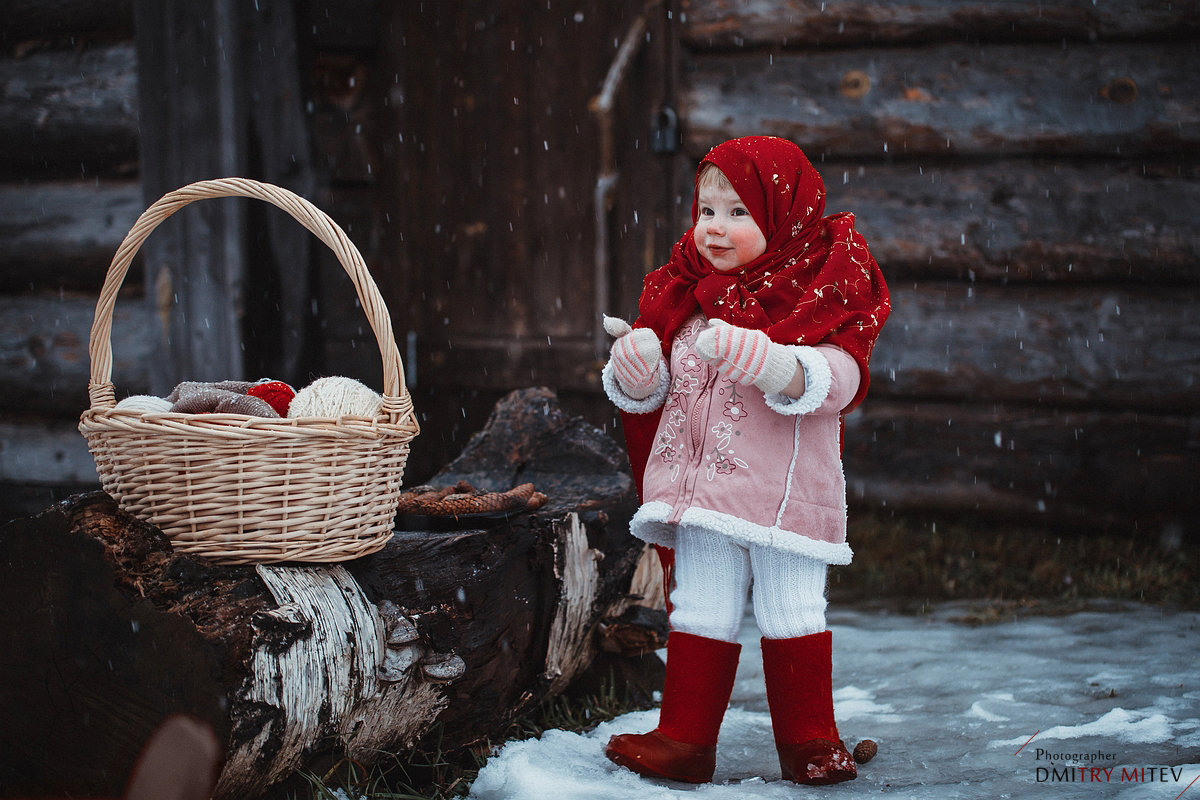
{"x": 752, "y": 342}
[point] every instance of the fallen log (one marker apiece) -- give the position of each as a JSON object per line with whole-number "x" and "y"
{"x": 108, "y": 631}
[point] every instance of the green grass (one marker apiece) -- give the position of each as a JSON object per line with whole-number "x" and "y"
{"x": 430, "y": 772}
{"x": 906, "y": 561}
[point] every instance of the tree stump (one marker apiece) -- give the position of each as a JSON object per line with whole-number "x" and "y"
{"x": 108, "y": 631}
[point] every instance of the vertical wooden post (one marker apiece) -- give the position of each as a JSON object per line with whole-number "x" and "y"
{"x": 221, "y": 95}
{"x": 191, "y": 129}
{"x": 278, "y": 291}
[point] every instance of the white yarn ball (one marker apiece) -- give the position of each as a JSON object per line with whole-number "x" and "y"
{"x": 144, "y": 403}
{"x": 335, "y": 397}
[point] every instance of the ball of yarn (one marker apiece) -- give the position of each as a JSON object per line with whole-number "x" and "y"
{"x": 335, "y": 397}
{"x": 199, "y": 398}
{"x": 144, "y": 403}
{"x": 187, "y": 388}
{"x": 244, "y": 404}
{"x": 277, "y": 394}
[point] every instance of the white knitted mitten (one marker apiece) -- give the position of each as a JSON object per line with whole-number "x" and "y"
{"x": 747, "y": 356}
{"x": 635, "y": 357}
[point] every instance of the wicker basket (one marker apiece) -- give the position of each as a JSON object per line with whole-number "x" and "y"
{"x": 239, "y": 489}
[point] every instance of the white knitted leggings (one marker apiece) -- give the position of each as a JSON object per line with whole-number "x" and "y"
{"x": 712, "y": 575}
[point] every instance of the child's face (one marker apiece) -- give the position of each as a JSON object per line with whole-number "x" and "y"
{"x": 725, "y": 233}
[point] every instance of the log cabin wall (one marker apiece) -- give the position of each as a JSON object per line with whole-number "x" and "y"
{"x": 1026, "y": 173}
{"x": 105, "y": 107}
{"x": 69, "y": 190}
{"x": 108, "y": 106}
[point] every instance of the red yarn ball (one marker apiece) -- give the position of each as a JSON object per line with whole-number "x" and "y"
{"x": 277, "y": 394}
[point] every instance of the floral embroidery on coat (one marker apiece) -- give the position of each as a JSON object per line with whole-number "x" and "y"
{"x": 691, "y": 383}
{"x": 722, "y": 457}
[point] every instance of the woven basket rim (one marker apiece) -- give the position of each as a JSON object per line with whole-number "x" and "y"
{"x": 101, "y": 390}
{"x": 341, "y": 475}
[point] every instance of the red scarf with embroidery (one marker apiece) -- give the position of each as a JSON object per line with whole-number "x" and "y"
{"x": 815, "y": 283}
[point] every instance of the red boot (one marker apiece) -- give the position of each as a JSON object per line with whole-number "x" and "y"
{"x": 799, "y": 678}
{"x": 696, "y": 692}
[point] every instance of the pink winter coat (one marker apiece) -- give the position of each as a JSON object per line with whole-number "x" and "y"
{"x": 760, "y": 469}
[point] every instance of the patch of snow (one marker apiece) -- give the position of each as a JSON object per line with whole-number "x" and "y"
{"x": 851, "y": 702}
{"x": 1123, "y": 726}
{"x": 977, "y": 710}
{"x": 952, "y": 708}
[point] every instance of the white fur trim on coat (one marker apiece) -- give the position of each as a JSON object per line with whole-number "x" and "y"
{"x": 650, "y": 524}
{"x": 818, "y": 380}
{"x": 630, "y": 404}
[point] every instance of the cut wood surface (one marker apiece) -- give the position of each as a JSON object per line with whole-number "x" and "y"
{"x": 1058, "y": 468}
{"x": 953, "y": 99}
{"x": 64, "y": 234}
{"x": 843, "y": 23}
{"x": 70, "y": 110}
{"x": 109, "y": 631}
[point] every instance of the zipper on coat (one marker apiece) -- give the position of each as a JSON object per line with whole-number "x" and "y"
{"x": 697, "y": 414}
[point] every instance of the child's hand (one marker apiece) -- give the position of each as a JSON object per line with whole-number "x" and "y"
{"x": 635, "y": 357}
{"x": 746, "y": 356}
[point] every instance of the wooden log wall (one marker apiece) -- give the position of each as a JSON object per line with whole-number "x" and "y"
{"x": 69, "y": 190}
{"x": 1027, "y": 175}
{"x": 78, "y": 168}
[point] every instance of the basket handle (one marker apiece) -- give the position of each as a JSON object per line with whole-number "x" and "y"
{"x": 396, "y": 401}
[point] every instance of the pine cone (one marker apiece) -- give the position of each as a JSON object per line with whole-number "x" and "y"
{"x": 865, "y": 750}
{"x": 465, "y": 499}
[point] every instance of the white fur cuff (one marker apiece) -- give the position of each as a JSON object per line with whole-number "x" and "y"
{"x": 630, "y": 404}
{"x": 818, "y": 380}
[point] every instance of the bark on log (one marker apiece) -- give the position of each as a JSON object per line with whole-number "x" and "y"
{"x": 109, "y": 632}
{"x": 799, "y": 23}
{"x": 1123, "y": 99}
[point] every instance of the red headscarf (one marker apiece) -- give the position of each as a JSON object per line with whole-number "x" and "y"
{"x": 815, "y": 283}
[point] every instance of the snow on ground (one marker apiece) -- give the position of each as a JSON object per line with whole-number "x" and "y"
{"x": 1088, "y": 705}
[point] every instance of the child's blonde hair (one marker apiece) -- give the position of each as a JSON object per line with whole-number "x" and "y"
{"x": 712, "y": 176}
